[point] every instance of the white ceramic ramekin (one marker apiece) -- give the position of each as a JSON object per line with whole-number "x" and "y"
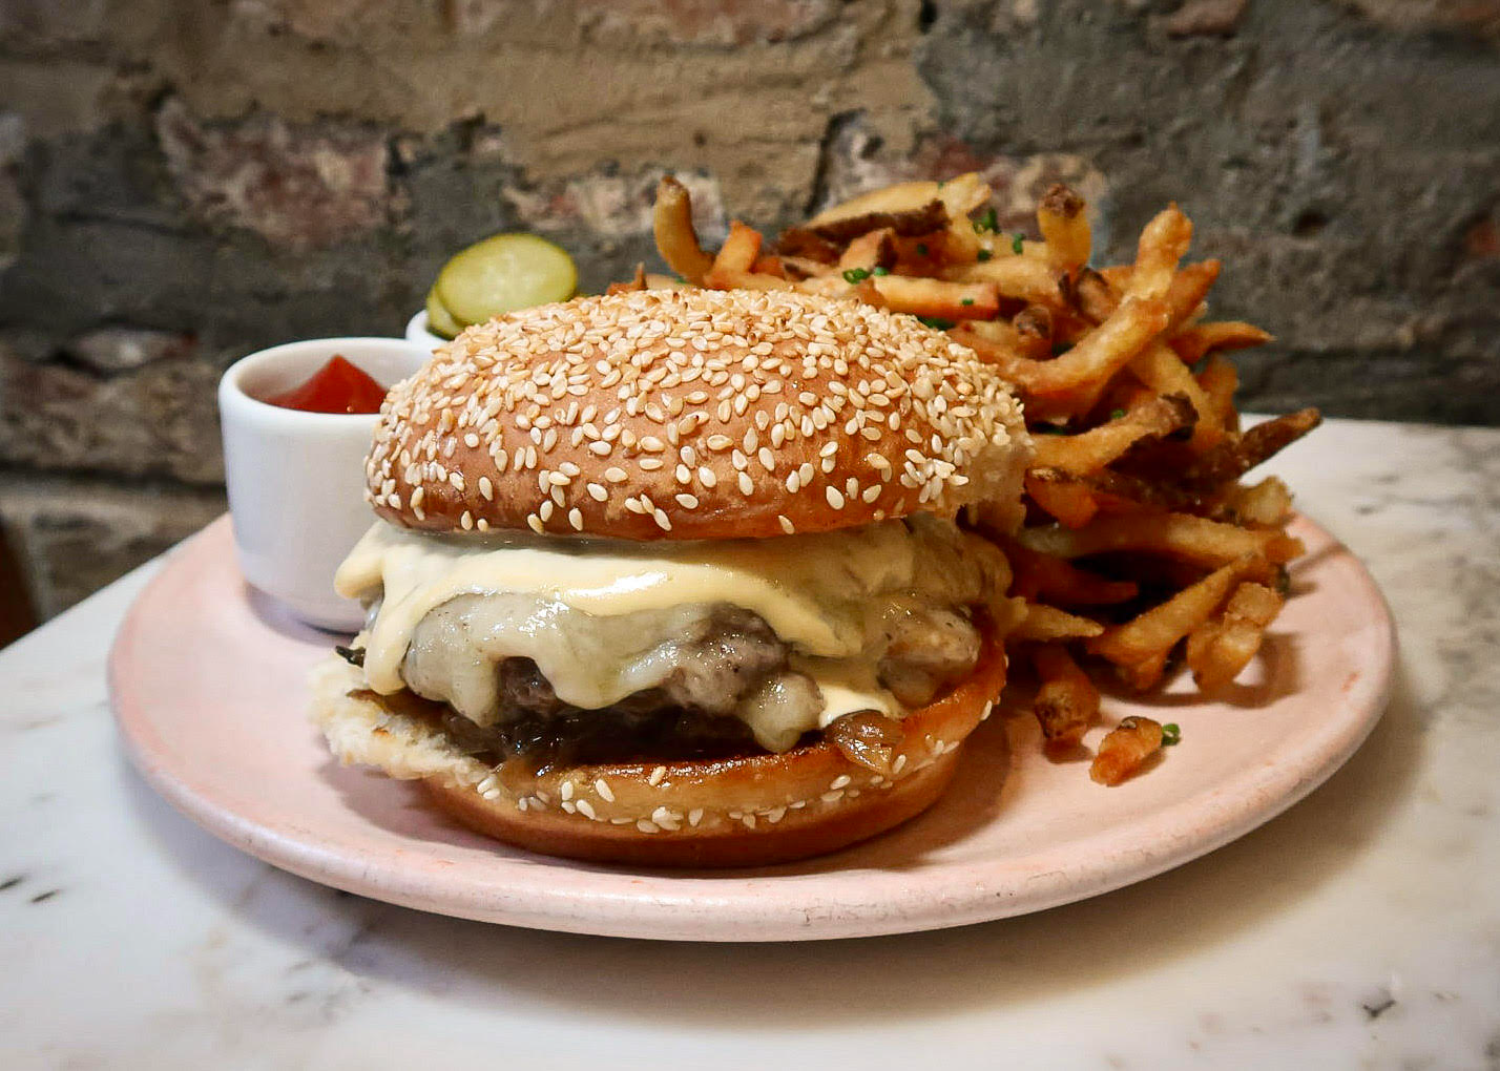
{"x": 296, "y": 480}
{"x": 416, "y": 331}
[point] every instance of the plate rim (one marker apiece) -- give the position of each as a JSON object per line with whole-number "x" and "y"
{"x": 961, "y": 894}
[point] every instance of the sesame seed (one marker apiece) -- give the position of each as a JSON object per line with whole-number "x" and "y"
{"x": 841, "y": 781}
{"x": 835, "y": 499}
{"x": 566, "y": 791}
{"x": 657, "y": 774}
{"x": 586, "y": 809}
{"x": 786, "y": 525}
{"x": 601, "y": 786}
{"x": 695, "y": 816}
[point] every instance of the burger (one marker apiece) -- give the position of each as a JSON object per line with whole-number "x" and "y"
{"x": 682, "y": 577}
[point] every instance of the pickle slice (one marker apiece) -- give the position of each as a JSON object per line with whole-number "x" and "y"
{"x": 505, "y": 273}
{"x": 439, "y": 320}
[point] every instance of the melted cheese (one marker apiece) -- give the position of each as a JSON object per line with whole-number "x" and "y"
{"x": 815, "y": 591}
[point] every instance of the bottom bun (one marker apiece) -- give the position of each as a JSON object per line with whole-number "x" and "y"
{"x": 750, "y": 810}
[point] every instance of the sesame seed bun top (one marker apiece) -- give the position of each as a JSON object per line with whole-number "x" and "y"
{"x": 695, "y": 414}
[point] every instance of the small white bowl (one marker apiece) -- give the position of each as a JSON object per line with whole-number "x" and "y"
{"x": 296, "y": 480}
{"x": 416, "y": 331}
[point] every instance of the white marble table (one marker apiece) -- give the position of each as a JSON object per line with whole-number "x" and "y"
{"x": 1362, "y": 928}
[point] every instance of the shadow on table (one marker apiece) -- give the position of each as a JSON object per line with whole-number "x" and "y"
{"x": 818, "y": 984}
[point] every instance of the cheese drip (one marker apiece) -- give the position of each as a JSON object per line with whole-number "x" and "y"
{"x": 823, "y": 594}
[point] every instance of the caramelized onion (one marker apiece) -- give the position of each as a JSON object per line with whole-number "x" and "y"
{"x": 867, "y": 738}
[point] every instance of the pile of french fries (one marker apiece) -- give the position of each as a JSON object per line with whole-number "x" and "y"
{"x": 1141, "y": 538}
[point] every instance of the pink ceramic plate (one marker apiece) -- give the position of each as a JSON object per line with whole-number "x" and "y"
{"x": 207, "y": 684}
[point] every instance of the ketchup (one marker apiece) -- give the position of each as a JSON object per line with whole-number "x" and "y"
{"x": 337, "y": 387}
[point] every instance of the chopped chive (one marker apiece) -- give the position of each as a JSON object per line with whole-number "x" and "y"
{"x": 921, "y": 249}
{"x": 1016, "y": 243}
{"x": 1171, "y": 733}
{"x": 933, "y": 321}
{"x": 880, "y": 271}
{"x": 987, "y": 222}
{"x": 985, "y": 254}
{"x": 1116, "y": 414}
{"x": 967, "y": 301}
{"x": 855, "y": 275}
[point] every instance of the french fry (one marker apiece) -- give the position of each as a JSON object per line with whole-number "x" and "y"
{"x": 1034, "y": 328}
{"x": 960, "y": 196}
{"x": 1025, "y": 279}
{"x": 1044, "y": 624}
{"x": 1067, "y": 702}
{"x": 1093, "y": 296}
{"x": 798, "y": 268}
{"x": 1194, "y": 343}
{"x": 1147, "y": 474}
{"x": 1039, "y": 576}
{"x": 672, "y": 222}
{"x": 1125, "y": 749}
{"x": 896, "y": 199}
{"x": 1065, "y": 228}
{"x": 1163, "y": 244}
{"x": 1218, "y": 651}
{"x": 1267, "y": 504}
{"x": 1188, "y": 289}
{"x": 1219, "y": 381}
{"x": 1116, "y": 342}
{"x": 1154, "y": 633}
{"x": 768, "y": 264}
{"x": 869, "y": 251}
{"x": 1090, "y": 451}
{"x": 936, "y": 298}
{"x": 736, "y": 256}
{"x": 963, "y": 194}
{"x": 998, "y": 342}
{"x": 896, "y": 207}
{"x": 804, "y": 244}
{"x": 1068, "y": 500}
{"x": 1145, "y": 674}
{"x": 1239, "y": 454}
{"x": 1163, "y": 371}
{"x": 1174, "y": 535}
{"x": 960, "y": 242}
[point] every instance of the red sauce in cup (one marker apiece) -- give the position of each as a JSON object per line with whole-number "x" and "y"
{"x": 337, "y": 387}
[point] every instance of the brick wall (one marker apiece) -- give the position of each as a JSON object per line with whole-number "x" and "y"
{"x": 184, "y": 181}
